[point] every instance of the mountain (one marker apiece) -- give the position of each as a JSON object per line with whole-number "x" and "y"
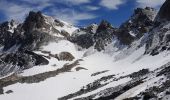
{"x": 45, "y": 58}
{"x": 159, "y": 35}
{"x": 139, "y": 24}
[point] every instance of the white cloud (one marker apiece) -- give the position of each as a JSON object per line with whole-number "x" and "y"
{"x": 150, "y": 3}
{"x": 18, "y": 12}
{"x": 72, "y": 16}
{"x": 92, "y": 8}
{"x": 111, "y": 4}
{"x": 73, "y": 2}
{"x": 13, "y": 11}
{"x": 37, "y": 1}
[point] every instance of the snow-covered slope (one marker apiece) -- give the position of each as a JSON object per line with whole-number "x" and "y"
{"x": 59, "y": 27}
{"x": 66, "y": 82}
{"x": 53, "y": 60}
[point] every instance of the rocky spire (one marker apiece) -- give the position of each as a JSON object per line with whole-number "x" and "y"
{"x": 34, "y": 20}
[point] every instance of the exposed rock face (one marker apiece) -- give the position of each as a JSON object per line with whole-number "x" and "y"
{"x": 139, "y": 23}
{"x": 94, "y": 35}
{"x": 6, "y": 30}
{"x": 27, "y": 36}
{"x": 65, "y": 34}
{"x": 84, "y": 36}
{"x": 20, "y": 61}
{"x": 83, "y": 40}
{"x": 164, "y": 11}
{"x": 103, "y": 35}
{"x": 33, "y": 21}
{"x": 66, "y": 56}
{"x": 159, "y": 36}
{"x": 1, "y": 91}
{"x": 20, "y": 40}
{"x": 133, "y": 29}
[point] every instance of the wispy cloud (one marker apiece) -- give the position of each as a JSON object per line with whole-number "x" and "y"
{"x": 92, "y": 8}
{"x": 18, "y": 12}
{"x": 74, "y": 2}
{"x": 150, "y": 3}
{"x": 111, "y": 4}
{"x": 71, "y": 16}
{"x": 37, "y": 1}
{"x": 13, "y": 10}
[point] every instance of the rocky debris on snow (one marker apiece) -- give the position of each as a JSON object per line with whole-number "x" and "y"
{"x": 80, "y": 68}
{"x": 139, "y": 73}
{"x": 66, "y": 56}
{"x": 103, "y": 81}
{"x": 9, "y": 91}
{"x": 12, "y": 79}
{"x": 101, "y": 72}
{"x": 65, "y": 33}
{"x": 113, "y": 92}
{"x": 165, "y": 71}
{"x": 1, "y": 91}
{"x": 62, "y": 56}
{"x": 154, "y": 92}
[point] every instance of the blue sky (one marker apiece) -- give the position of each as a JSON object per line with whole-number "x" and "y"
{"x": 77, "y": 12}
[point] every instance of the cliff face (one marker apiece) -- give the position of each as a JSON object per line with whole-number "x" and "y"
{"x": 164, "y": 11}
{"x": 159, "y": 35}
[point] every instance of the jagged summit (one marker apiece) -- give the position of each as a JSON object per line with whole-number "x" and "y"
{"x": 35, "y": 30}
{"x": 147, "y": 11}
{"x": 55, "y": 27}
{"x": 34, "y": 20}
{"x": 159, "y": 36}
{"x": 132, "y": 30}
{"x": 94, "y": 35}
{"x": 139, "y": 24}
{"x": 104, "y": 25}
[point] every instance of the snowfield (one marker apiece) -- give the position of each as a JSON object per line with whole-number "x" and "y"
{"x": 70, "y": 82}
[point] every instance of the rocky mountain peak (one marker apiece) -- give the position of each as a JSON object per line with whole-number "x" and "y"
{"x": 34, "y": 20}
{"x": 148, "y": 12}
{"x": 6, "y": 30}
{"x": 94, "y": 35}
{"x": 139, "y": 24}
{"x": 104, "y": 25}
{"x": 159, "y": 36}
{"x": 164, "y": 11}
{"x": 9, "y": 25}
{"x": 92, "y": 28}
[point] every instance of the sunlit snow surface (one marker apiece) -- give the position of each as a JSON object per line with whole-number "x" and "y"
{"x": 70, "y": 82}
